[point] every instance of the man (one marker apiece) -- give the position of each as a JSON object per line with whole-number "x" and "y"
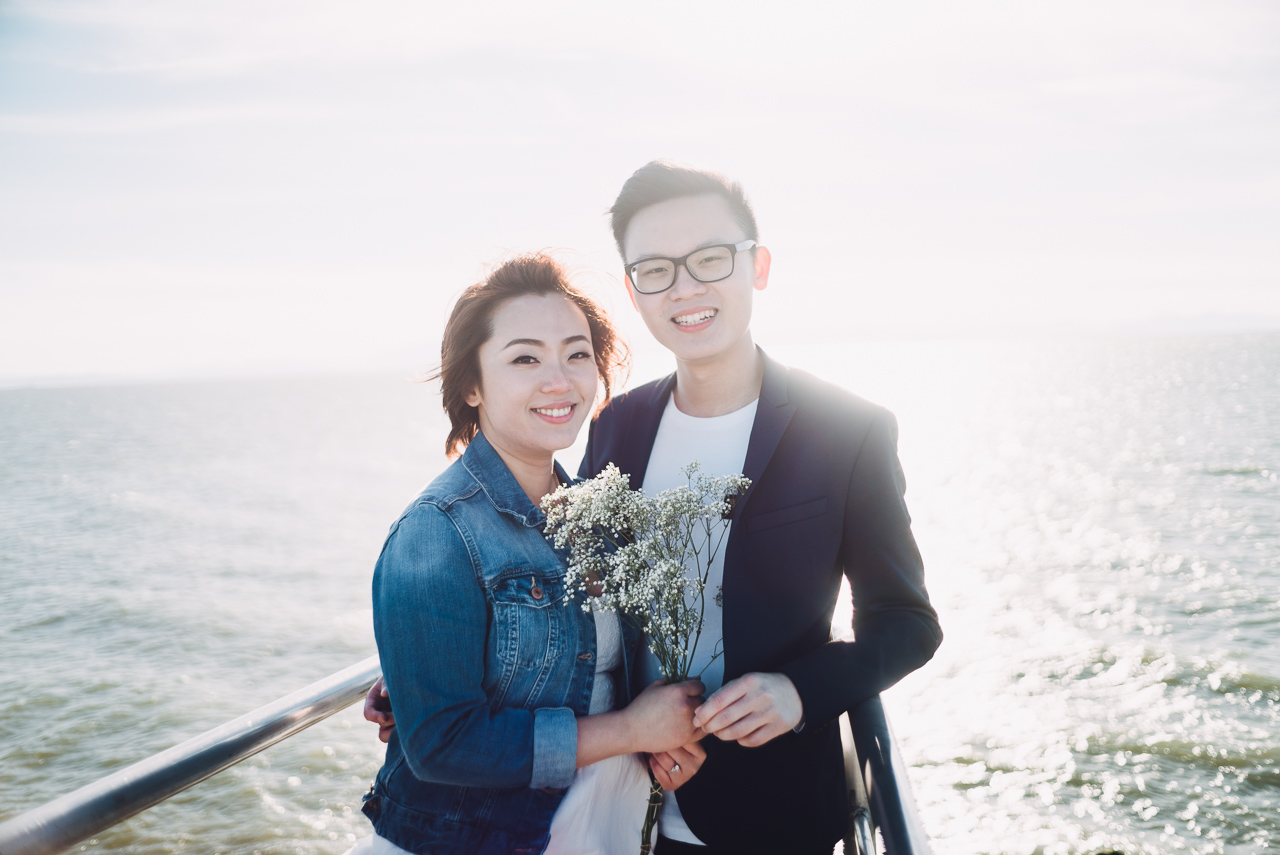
{"x": 826, "y": 499}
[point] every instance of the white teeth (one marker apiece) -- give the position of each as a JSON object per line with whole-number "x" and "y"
{"x": 556, "y": 413}
{"x": 695, "y": 318}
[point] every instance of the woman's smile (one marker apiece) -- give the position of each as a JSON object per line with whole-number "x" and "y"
{"x": 557, "y": 414}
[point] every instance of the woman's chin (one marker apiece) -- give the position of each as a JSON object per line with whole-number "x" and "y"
{"x": 551, "y": 440}
{"x": 568, "y": 437}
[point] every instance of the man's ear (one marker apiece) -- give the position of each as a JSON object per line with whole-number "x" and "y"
{"x": 763, "y": 260}
{"x": 631, "y": 294}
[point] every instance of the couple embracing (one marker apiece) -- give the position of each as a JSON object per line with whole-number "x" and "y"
{"x": 519, "y": 722}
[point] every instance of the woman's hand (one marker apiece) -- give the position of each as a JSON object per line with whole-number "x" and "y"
{"x": 377, "y": 709}
{"x": 675, "y": 767}
{"x": 661, "y": 717}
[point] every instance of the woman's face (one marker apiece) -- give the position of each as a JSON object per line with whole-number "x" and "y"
{"x": 537, "y": 377}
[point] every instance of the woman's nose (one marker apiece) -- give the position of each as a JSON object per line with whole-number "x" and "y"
{"x": 556, "y": 379}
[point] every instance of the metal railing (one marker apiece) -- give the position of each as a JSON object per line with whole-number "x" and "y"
{"x": 879, "y": 795}
{"x": 884, "y": 776}
{"x": 77, "y": 816}
{"x": 860, "y": 835}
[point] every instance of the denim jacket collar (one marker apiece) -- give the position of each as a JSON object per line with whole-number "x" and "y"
{"x": 484, "y": 463}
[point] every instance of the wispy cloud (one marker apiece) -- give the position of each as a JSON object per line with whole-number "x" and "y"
{"x": 148, "y": 121}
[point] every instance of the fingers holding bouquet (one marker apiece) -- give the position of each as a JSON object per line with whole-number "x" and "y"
{"x": 662, "y": 715}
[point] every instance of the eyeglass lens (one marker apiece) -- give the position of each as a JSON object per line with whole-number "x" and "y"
{"x": 706, "y": 265}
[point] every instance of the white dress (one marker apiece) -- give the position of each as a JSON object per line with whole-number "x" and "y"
{"x": 603, "y": 811}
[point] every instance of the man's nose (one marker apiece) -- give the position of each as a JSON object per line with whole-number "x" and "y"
{"x": 685, "y": 285}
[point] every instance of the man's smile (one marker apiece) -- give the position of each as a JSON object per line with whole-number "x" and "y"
{"x": 694, "y": 318}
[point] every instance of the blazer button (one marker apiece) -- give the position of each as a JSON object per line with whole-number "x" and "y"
{"x": 536, "y": 592}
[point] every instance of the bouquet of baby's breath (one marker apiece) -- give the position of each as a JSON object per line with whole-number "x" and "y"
{"x": 629, "y": 553}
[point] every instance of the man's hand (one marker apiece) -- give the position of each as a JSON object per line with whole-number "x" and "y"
{"x": 675, "y": 767}
{"x": 752, "y": 709}
{"x": 377, "y": 709}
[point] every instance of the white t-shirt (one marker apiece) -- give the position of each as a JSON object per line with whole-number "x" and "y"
{"x": 719, "y": 445}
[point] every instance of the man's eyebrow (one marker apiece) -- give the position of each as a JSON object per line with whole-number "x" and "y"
{"x": 703, "y": 245}
{"x": 534, "y": 342}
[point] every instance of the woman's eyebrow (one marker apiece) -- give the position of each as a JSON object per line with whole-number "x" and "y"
{"x": 528, "y": 341}
{"x": 534, "y": 342}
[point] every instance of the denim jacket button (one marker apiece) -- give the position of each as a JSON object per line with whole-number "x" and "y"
{"x": 536, "y": 592}
{"x": 587, "y": 657}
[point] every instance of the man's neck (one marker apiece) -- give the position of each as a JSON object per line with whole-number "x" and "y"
{"x": 720, "y": 386}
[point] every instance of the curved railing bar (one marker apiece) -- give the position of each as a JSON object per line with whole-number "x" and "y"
{"x": 77, "y": 816}
{"x": 879, "y": 797}
{"x": 893, "y": 807}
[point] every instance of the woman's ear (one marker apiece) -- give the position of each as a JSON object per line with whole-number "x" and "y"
{"x": 473, "y": 398}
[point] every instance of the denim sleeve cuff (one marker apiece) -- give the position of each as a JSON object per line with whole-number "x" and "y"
{"x": 555, "y": 748}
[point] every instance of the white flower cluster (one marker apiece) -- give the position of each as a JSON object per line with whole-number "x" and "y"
{"x": 629, "y": 552}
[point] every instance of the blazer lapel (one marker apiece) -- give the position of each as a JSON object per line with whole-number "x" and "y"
{"x": 773, "y": 414}
{"x": 642, "y": 430}
{"x": 742, "y": 638}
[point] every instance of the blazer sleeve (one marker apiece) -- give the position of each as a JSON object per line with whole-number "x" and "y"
{"x": 430, "y": 619}
{"x": 896, "y": 629}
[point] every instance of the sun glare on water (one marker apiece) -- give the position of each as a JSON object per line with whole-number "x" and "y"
{"x": 1099, "y": 526}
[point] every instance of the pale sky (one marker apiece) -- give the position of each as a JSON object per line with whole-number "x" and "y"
{"x": 259, "y": 186}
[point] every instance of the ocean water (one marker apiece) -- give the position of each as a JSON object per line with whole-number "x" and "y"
{"x": 1100, "y": 521}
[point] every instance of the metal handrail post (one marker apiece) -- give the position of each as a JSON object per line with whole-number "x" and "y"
{"x": 77, "y": 816}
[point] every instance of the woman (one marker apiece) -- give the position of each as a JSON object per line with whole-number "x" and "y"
{"x": 503, "y": 691}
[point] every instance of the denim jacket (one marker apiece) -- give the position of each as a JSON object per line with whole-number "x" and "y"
{"x": 486, "y": 664}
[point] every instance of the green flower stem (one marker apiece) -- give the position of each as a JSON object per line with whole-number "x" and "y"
{"x": 650, "y": 815}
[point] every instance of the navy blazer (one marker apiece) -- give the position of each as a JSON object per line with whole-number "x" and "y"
{"x": 826, "y": 499}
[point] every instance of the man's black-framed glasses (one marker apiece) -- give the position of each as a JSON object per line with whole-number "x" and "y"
{"x": 708, "y": 264}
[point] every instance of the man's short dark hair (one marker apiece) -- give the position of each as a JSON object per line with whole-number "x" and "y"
{"x": 662, "y": 180}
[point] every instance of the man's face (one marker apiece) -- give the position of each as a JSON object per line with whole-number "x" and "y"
{"x": 699, "y": 322}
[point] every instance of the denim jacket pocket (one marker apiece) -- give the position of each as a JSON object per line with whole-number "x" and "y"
{"x": 530, "y": 620}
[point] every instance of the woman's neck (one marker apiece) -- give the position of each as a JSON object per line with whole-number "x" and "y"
{"x": 535, "y": 475}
